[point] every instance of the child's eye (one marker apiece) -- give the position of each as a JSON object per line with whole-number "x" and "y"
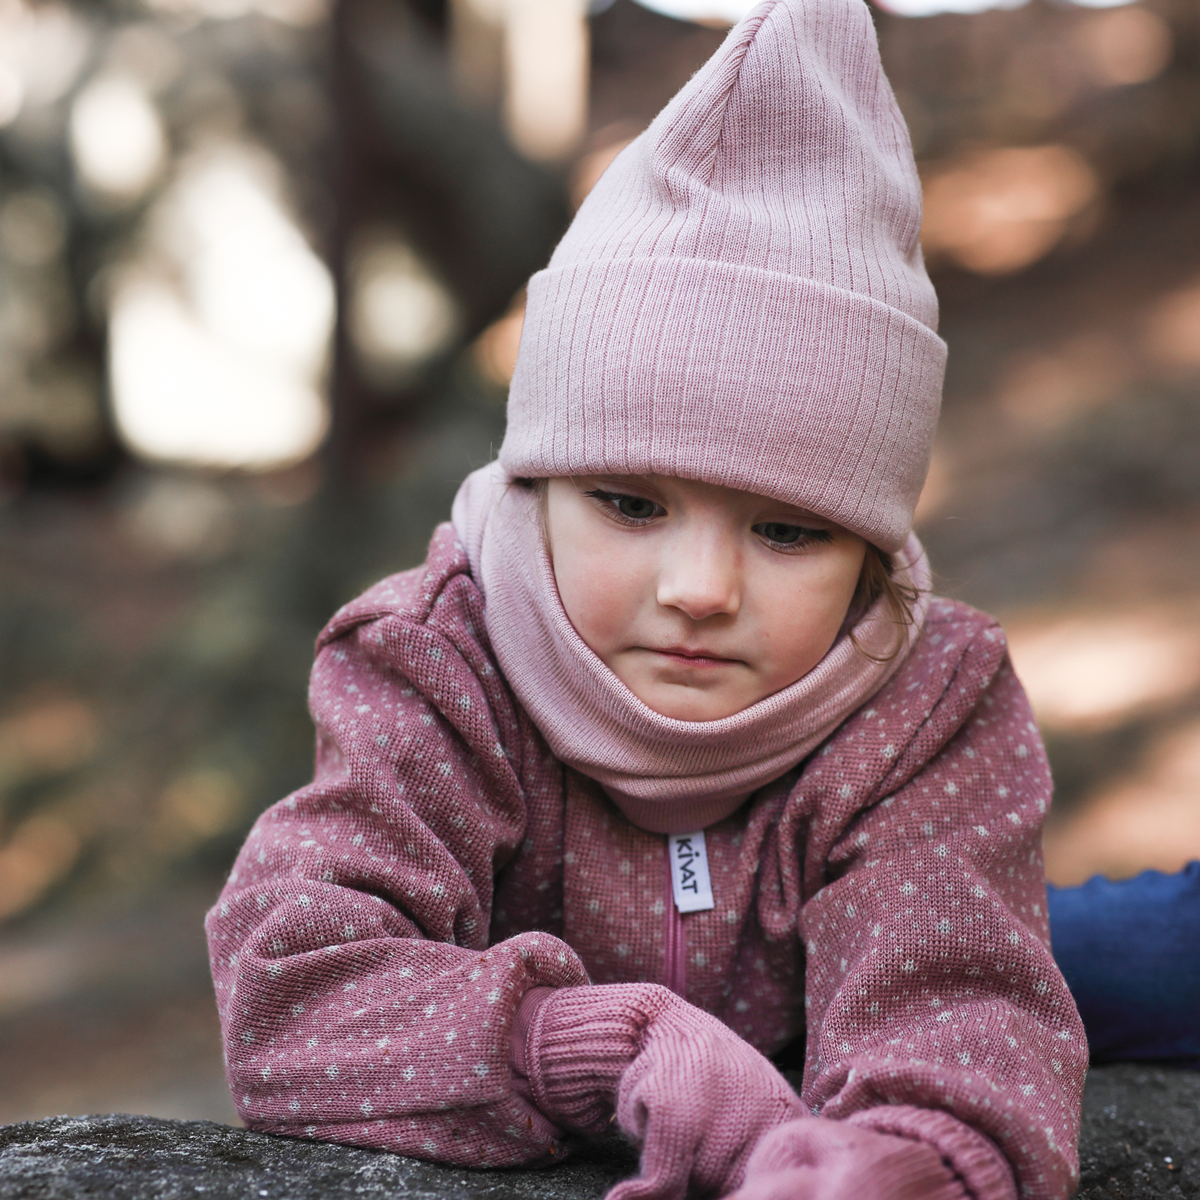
{"x": 632, "y": 508}
{"x": 635, "y": 507}
{"x": 778, "y": 533}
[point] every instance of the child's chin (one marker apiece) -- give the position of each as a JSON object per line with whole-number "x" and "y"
{"x": 691, "y": 704}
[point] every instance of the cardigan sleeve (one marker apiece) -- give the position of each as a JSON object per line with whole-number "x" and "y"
{"x": 359, "y": 998}
{"x": 935, "y": 1009}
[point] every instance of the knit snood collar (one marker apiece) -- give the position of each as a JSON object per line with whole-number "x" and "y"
{"x": 665, "y": 775}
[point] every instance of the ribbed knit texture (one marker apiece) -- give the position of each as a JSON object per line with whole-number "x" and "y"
{"x": 980, "y": 1166}
{"x": 380, "y": 927}
{"x": 580, "y": 1042}
{"x": 815, "y": 1159}
{"x": 741, "y": 298}
{"x": 688, "y": 1091}
{"x": 665, "y": 775}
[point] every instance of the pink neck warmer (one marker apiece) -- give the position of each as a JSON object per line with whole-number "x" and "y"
{"x": 666, "y": 776}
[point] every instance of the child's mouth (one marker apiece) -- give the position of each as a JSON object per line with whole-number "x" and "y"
{"x": 693, "y": 658}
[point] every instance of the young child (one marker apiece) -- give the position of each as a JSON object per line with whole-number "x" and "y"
{"x": 665, "y": 758}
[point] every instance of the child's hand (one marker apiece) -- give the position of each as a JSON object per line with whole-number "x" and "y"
{"x": 697, "y": 1099}
{"x": 815, "y": 1159}
{"x": 692, "y": 1094}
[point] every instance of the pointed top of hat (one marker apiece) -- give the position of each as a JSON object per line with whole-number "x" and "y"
{"x": 786, "y": 152}
{"x": 742, "y": 297}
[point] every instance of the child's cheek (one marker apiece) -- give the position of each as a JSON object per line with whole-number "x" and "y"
{"x": 600, "y": 586}
{"x": 797, "y": 609}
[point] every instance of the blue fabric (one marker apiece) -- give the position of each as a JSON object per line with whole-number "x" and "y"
{"x": 1130, "y": 952}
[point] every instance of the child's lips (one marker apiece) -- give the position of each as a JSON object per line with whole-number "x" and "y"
{"x": 691, "y": 657}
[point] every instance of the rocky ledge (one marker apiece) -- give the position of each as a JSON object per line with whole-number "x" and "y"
{"x": 1141, "y": 1141}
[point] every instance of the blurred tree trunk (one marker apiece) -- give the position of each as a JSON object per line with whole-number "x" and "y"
{"x": 411, "y": 155}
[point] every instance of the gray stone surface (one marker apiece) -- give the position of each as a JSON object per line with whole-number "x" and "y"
{"x": 1141, "y": 1134}
{"x": 1141, "y": 1140}
{"x": 144, "y": 1158}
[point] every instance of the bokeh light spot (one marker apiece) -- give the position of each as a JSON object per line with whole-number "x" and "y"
{"x": 42, "y": 50}
{"x": 546, "y": 59}
{"x": 1149, "y": 819}
{"x": 996, "y": 211}
{"x": 401, "y": 314}
{"x": 116, "y": 137}
{"x": 219, "y": 335}
{"x": 1090, "y": 671}
{"x": 1125, "y": 46}
{"x": 495, "y": 350}
{"x": 1173, "y": 334}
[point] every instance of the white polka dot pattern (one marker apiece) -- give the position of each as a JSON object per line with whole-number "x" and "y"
{"x": 381, "y": 925}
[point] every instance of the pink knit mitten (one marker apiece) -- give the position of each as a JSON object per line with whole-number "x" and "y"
{"x": 815, "y": 1159}
{"x": 686, "y": 1089}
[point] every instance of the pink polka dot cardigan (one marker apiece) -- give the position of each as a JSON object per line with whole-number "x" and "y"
{"x": 381, "y": 925}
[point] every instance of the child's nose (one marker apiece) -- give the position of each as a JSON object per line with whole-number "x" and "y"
{"x": 701, "y": 580}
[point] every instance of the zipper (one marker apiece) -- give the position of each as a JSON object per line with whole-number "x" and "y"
{"x": 674, "y": 939}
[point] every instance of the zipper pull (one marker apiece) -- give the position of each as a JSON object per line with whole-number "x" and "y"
{"x": 690, "y": 883}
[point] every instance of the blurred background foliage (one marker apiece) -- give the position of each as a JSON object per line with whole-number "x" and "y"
{"x": 261, "y": 268}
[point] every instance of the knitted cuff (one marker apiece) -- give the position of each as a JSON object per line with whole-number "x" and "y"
{"x": 518, "y": 1038}
{"x": 975, "y": 1158}
{"x": 580, "y": 1041}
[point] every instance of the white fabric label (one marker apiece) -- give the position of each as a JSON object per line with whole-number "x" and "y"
{"x": 689, "y": 872}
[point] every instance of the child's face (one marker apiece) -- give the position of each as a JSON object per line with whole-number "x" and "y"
{"x": 701, "y": 599}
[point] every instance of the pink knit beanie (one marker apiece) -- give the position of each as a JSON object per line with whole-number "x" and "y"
{"x": 742, "y": 299}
